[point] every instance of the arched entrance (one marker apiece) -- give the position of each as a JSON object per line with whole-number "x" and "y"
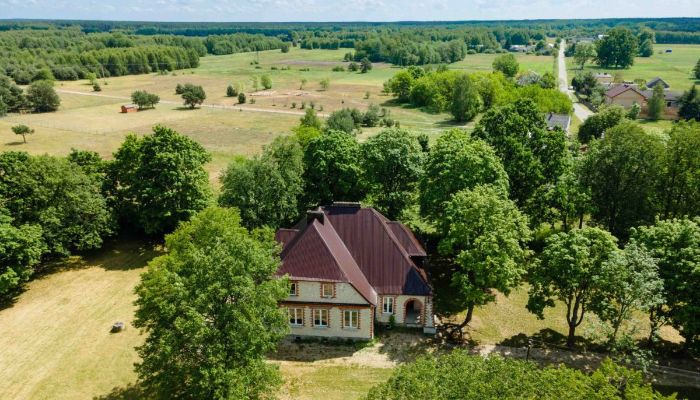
{"x": 413, "y": 312}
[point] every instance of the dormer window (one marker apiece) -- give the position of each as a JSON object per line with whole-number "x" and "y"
{"x": 294, "y": 289}
{"x": 326, "y": 290}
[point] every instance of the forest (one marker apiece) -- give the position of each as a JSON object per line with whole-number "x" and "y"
{"x": 72, "y": 50}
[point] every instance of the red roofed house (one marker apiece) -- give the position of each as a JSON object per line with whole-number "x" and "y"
{"x": 349, "y": 268}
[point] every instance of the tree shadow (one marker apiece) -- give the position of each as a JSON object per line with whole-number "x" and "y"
{"x": 129, "y": 392}
{"x": 549, "y": 339}
{"x": 315, "y": 349}
{"x": 14, "y": 143}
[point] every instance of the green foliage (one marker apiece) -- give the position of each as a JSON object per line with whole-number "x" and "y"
{"x": 485, "y": 235}
{"x": 23, "y": 130}
{"x": 617, "y": 49}
{"x": 627, "y": 154}
{"x": 241, "y": 98}
{"x": 459, "y": 375}
{"x": 365, "y": 65}
{"x": 506, "y": 64}
{"x": 344, "y": 120}
{"x": 675, "y": 244}
{"x": 325, "y": 83}
{"x": 332, "y": 169}
{"x": 532, "y": 155}
{"x": 571, "y": 270}
{"x": 158, "y": 180}
{"x": 680, "y": 182}
{"x": 466, "y": 101}
{"x": 11, "y": 95}
{"x": 143, "y": 99}
{"x": 633, "y": 112}
{"x": 595, "y": 125}
{"x": 21, "y": 248}
{"x": 689, "y": 104}
{"x": 266, "y": 82}
{"x": 305, "y": 134}
{"x": 209, "y": 311}
{"x": 455, "y": 163}
{"x": 583, "y": 53}
{"x": 392, "y": 163}
{"x": 266, "y": 189}
{"x": 657, "y": 103}
{"x": 310, "y": 119}
{"x": 231, "y": 91}
{"x": 193, "y": 95}
{"x": 586, "y": 84}
{"x": 58, "y": 196}
{"x": 646, "y": 48}
{"x": 42, "y": 97}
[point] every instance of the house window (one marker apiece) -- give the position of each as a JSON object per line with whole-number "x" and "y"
{"x": 296, "y": 316}
{"x": 351, "y": 319}
{"x": 326, "y": 290}
{"x": 294, "y": 289}
{"x": 388, "y": 305}
{"x": 321, "y": 318}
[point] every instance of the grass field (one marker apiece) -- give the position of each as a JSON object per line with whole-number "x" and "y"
{"x": 92, "y": 121}
{"x": 55, "y": 341}
{"x": 675, "y": 68}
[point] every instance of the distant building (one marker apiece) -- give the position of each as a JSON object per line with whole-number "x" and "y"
{"x": 655, "y": 81}
{"x": 128, "y": 108}
{"x": 521, "y": 48}
{"x": 562, "y": 121}
{"x": 604, "y": 78}
{"x": 626, "y": 95}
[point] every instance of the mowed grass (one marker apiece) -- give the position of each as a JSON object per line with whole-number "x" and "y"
{"x": 528, "y": 62}
{"x": 675, "y": 67}
{"x": 55, "y": 341}
{"x": 92, "y": 121}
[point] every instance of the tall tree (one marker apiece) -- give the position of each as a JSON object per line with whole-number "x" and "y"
{"x": 656, "y": 104}
{"x": 689, "y": 104}
{"x": 455, "y": 163}
{"x": 193, "y": 95}
{"x": 58, "y": 196}
{"x": 209, "y": 311}
{"x": 622, "y": 172}
{"x": 617, "y": 49}
{"x": 332, "y": 169}
{"x": 159, "y": 180}
{"x": 266, "y": 189}
{"x": 675, "y": 244}
{"x": 583, "y": 53}
{"x": 571, "y": 270}
{"x": 392, "y": 162}
{"x": 144, "y": 99}
{"x": 484, "y": 235}
{"x": 506, "y": 64}
{"x": 42, "y": 97}
{"x": 21, "y": 248}
{"x": 532, "y": 155}
{"x": 466, "y": 101}
{"x": 595, "y": 126}
{"x": 632, "y": 284}
{"x": 680, "y": 182}
{"x": 23, "y": 130}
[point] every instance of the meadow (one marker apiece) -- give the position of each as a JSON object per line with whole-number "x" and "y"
{"x": 56, "y": 336}
{"x": 92, "y": 120}
{"x": 675, "y": 67}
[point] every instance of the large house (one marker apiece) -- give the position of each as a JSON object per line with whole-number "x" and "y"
{"x": 350, "y": 267}
{"x": 626, "y": 95}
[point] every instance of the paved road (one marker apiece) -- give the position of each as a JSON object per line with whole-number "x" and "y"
{"x": 581, "y": 111}
{"x": 219, "y": 106}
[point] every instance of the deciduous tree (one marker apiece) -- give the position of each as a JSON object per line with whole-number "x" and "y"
{"x": 42, "y": 97}
{"x": 193, "y": 95}
{"x": 21, "y": 248}
{"x": 571, "y": 270}
{"x": 617, "y": 49}
{"x": 23, "y": 130}
{"x": 466, "y": 101}
{"x": 507, "y": 64}
{"x": 209, "y": 312}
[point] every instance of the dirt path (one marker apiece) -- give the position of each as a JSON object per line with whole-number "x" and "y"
{"x": 582, "y": 112}
{"x": 215, "y": 106}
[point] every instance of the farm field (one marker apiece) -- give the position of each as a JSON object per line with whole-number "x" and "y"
{"x": 92, "y": 120}
{"x": 675, "y": 67}
{"x": 56, "y": 336}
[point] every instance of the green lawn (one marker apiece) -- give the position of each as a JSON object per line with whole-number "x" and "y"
{"x": 675, "y": 68}
{"x": 483, "y": 63}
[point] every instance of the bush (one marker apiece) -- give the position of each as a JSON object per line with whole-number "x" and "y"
{"x": 42, "y": 97}
{"x": 241, "y": 98}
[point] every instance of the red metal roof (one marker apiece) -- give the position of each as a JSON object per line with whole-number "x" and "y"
{"x": 382, "y": 249}
{"x": 318, "y": 253}
{"x": 284, "y": 236}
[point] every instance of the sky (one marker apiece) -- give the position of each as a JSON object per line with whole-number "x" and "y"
{"x": 342, "y": 10}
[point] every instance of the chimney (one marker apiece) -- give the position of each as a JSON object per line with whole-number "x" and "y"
{"x": 311, "y": 215}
